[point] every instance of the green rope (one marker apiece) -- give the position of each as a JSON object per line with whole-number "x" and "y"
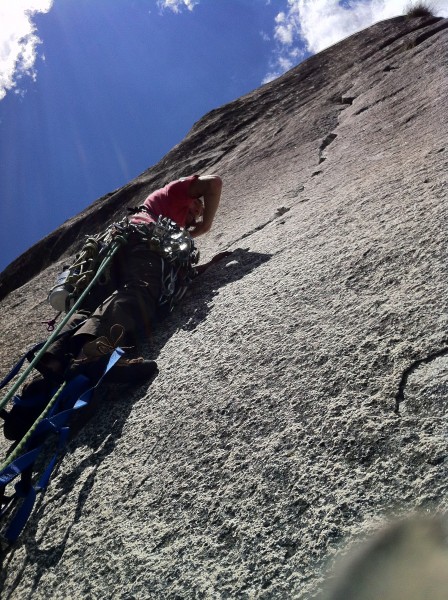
{"x": 20, "y": 446}
{"x": 118, "y": 241}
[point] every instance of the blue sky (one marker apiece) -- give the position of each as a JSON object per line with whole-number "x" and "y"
{"x": 93, "y": 92}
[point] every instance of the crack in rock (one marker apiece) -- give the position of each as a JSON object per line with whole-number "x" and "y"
{"x": 278, "y": 213}
{"x": 324, "y": 144}
{"x": 400, "y": 398}
{"x": 399, "y": 36}
{"x": 424, "y": 36}
{"x": 383, "y": 99}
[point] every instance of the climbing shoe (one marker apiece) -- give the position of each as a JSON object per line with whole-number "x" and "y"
{"x": 125, "y": 370}
{"x": 95, "y": 355}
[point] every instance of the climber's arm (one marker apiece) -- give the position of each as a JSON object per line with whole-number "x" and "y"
{"x": 209, "y": 187}
{"x": 201, "y": 268}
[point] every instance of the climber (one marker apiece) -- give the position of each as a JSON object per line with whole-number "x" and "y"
{"x": 125, "y": 317}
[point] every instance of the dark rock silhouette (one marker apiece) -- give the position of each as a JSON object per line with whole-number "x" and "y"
{"x": 302, "y": 393}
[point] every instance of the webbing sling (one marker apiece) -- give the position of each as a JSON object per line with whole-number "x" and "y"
{"x": 81, "y": 392}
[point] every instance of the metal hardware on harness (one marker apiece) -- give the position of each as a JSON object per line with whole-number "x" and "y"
{"x": 172, "y": 242}
{"x": 178, "y": 254}
{"x": 175, "y": 282}
{"x": 177, "y": 251}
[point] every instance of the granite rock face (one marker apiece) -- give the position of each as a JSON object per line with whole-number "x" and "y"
{"x": 302, "y": 397}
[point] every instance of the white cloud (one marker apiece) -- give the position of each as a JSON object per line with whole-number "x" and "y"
{"x": 284, "y": 30}
{"x": 312, "y": 25}
{"x": 18, "y": 40}
{"x": 177, "y": 5}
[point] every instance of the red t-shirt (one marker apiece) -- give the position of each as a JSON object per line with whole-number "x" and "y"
{"x": 171, "y": 201}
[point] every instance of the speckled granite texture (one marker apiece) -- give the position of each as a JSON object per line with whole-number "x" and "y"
{"x": 302, "y": 394}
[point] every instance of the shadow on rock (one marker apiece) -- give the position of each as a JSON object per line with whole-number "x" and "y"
{"x": 196, "y": 306}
